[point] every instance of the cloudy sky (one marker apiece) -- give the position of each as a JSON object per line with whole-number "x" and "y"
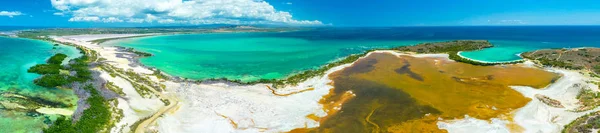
{"x": 110, "y": 13}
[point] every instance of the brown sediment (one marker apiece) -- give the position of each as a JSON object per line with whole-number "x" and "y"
{"x": 235, "y": 125}
{"x": 376, "y": 130}
{"x": 291, "y": 93}
{"x": 426, "y": 124}
{"x": 512, "y": 126}
{"x": 331, "y": 107}
{"x": 409, "y": 94}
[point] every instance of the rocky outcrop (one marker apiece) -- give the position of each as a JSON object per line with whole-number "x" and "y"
{"x": 549, "y": 101}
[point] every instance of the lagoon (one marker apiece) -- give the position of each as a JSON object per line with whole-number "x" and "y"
{"x": 254, "y": 56}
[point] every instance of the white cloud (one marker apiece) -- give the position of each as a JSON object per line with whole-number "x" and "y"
{"x": 176, "y": 12}
{"x": 288, "y": 3}
{"x": 11, "y": 13}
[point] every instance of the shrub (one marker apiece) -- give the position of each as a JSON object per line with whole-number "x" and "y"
{"x": 94, "y": 119}
{"x": 45, "y": 69}
{"x": 57, "y": 59}
{"x": 52, "y": 80}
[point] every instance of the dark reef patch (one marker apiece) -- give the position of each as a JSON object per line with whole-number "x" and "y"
{"x": 375, "y": 107}
{"x": 406, "y": 70}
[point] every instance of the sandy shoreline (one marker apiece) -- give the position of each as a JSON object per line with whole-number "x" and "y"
{"x": 487, "y": 61}
{"x": 228, "y": 107}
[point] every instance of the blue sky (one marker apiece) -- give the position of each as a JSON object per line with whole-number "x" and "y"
{"x": 105, "y": 13}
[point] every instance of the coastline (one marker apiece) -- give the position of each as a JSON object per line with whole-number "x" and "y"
{"x": 21, "y": 100}
{"x": 493, "y": 62}
{"x": 291, "y": 78}
{"x": 187, "y": 93}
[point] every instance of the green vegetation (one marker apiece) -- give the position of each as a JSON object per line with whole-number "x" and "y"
{"x": 447, "y": 47}
{"x": 584, "y": 124}
{"x": 454, "y": 56}
{"x": 160, "y": 75}
{"x": 137, "y": 123}
{"x": 576, "y": 59}
{"x": 588, "y": 99}
{"x": 94, "y": 119}
{"x": 108, "y": 39}
{"x": 57, "y": 59}
{"x": 111, "y": 86}
{"x": 452, "y": 48}
{"x": 51, "y": 76}
{"x": 53, "y": 66}
{"x": 557, "y": 63}
{"x": 45, "y": 69}
{"x": 52, "y": 80}
{"x": 50, "y": 72}
{"x": 80, "y": 67}
{"x": 61, "y": 125}
{"x": 139, "y": 53}
{"x": 136, "y": 80}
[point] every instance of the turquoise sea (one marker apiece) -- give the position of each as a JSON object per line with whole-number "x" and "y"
{"x": 16, "y": 56}
{"x": 252, "y": 56}
{"x": 244, "y": 56}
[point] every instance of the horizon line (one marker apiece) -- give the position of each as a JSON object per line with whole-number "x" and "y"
{"x": 279, "y": 26}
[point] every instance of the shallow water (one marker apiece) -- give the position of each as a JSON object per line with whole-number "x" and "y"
{"x": 16, "y": 56}
{"x": 405, "y": 94}
{"x": 253, "y": 56}
{"x": 245, "y": 56}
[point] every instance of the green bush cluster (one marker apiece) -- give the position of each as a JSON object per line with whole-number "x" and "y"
{"x": 45, "y": 69}
{"x": 454, "y": 56}
{"x": 51, "y": 76}
{"x": 93, "y": 120}
{"x": 556, "y": 63}
{"x": 57, "y": 59}
{"x": 52, "y": 67}
{"x": 80, "y": 66}
{"x": 52, "y": 80}
{"x": 452, "y": 48}
{"x": 445, "y": 47}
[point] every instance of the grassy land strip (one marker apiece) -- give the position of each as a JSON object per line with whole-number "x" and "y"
{"x": 576, "y": 58}
{"x": 94, "y": 119}
{"x": 109, "y": 39}
{"x": 51, "y": 76}
{"x": 584, "y": 124}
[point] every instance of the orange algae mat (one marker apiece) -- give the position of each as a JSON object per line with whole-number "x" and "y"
{"x": 409, "y": 94}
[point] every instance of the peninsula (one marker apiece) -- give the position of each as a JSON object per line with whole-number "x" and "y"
{"x": 149, "y": 100}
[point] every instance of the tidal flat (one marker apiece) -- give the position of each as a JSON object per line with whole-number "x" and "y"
{"x": 400, "y": 93}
